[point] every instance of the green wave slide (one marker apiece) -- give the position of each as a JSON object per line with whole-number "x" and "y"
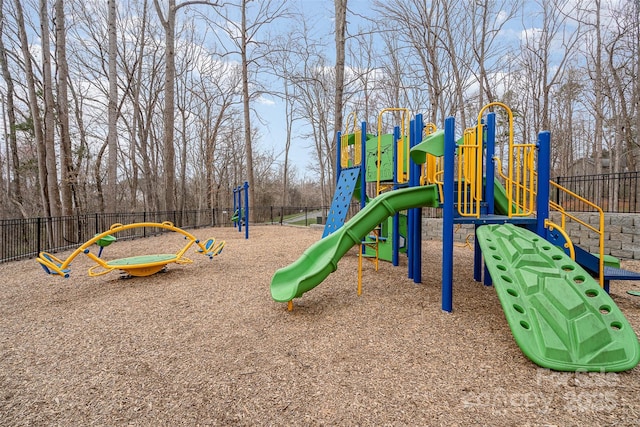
{"x": 321, "y": 258}
{"x": 558, "y": 314}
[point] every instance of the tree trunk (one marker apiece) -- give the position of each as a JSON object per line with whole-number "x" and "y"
{"x": 66, "y": 162}
{"x": 169, "y": 152}
{"x": 111, "y": 200}
{"x": 49, "y": 113}
{"x": 247, "y": 110}
{"x": 341, "y": 27}
{"x": 598, "y": 83}
{"x": 15, "y": 186}
{"x": 34, "y": 110}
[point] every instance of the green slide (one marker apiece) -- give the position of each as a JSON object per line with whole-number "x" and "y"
{"x": 321, "y": 259}
{"x": 558, "y": 314}
{"x": 500, "y": 199}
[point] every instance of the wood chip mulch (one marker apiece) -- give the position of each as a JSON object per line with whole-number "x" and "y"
{"x": 204, "y": 344}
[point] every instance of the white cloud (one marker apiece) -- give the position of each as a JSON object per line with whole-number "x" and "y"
{"x": 265, "y": 101}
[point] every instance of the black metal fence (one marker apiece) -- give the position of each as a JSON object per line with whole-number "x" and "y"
{"x": 613, "y": 192}
{"x": 26, "y": 238}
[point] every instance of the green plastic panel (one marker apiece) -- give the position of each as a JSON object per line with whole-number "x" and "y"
{"x": 433, "y": 144}
{"x": 141, "y": 259}
{"x": 386, "y": 158}
{"x": 558, "y": 314}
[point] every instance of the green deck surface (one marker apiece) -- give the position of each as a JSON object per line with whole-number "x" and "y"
{"x": 321, "y": 258}
{"x": 142, "y": 259}
{"x": 558, "y": 314}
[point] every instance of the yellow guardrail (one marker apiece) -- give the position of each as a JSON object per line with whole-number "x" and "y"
{"x": 432, "y": 170}
{"x": 520, "y": 177}
{"x": 598, "y": 231}
{"x": 351, "y": 154}
{"x": 564, "y": 215}
{"x": 470, "y": 172}
{"x": 521, "y": 191}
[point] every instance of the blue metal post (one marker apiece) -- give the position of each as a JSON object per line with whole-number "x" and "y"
{"x": 544, "y": 175}
{"x": 410, "y": 213}
{"x": 246, "y": 210}
{"x": 447, "y": 214}
{"x": 395, "y": 239}
{"x": 415, "y": 235}
{"x": 490, "y": 163}
{"x": 338, "y": 156}
{"x": 488, "y": 141}
{"x": 363, "y": 172}
{"x": 235, "y": 206}
{"x": 363, "y": 165}
{"x": 239, "y": 193}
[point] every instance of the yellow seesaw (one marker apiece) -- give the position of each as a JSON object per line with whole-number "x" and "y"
{"x": 139, "y": 265}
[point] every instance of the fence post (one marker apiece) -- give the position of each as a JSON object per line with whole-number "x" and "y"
{"x": 39, "y": 234}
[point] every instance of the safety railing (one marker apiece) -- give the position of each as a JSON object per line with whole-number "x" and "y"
{"x": 351, "y": 143}
{"x": 470, "y": 172}
{"x": 564, "y": 215}
{"x": 520, "y": 176}
{"x": 432, "y": 171}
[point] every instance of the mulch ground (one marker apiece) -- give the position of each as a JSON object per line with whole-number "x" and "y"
{"x": 204, "y": 344}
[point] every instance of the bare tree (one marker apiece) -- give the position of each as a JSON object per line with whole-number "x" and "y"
{"x": 62, "y": 109}
{"x": 112, "y": 110}
{"x": 49, "y": 112}
{"x": 340, "y": 30}
{"x": 252, "y": 47}
{"x": 488, "y": 19}
{"x": 168, "y": 21}
{"x": 283, "y": 64}
{"x": 34, "y": 110}
{"x": 553, "y": 44}
{"x": 13, "y": 165}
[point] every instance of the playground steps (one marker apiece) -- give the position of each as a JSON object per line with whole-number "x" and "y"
{"x": 591, "y": 263}
{"x": 341, "y": 200}
{"x": 558, "y": 314}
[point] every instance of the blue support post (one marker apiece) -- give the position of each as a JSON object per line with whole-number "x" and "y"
{"x": 447, "y": 214}
{"x": 239, "y": 194}
{"x": 363, "y": 163}
{"x": 415, "y": 235}
{"x": 410, "y": 213}
{"x": 395, "y": 233}
{"x": 338, "y": 156}
{"x": 544, "y": 175}
{"x": 490, "y": 162}
{"x": 246, "y": 210}
{"x": 235, "y": 206}
{"x": 491, "y": 176}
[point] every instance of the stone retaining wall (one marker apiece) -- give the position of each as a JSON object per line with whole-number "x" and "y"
{"x": 621, "y": 237}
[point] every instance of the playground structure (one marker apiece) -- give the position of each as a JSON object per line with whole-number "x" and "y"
{"x": 139, "y": 265}
{"x": 241, "y": 208}
{"x": 561, "y": 316}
